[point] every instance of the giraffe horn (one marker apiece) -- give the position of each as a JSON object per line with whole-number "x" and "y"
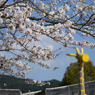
{"x": 77, "y": 50}
{"x": 82, "y": 50}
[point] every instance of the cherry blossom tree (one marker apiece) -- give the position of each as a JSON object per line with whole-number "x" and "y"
{"x": 23, "y": 23}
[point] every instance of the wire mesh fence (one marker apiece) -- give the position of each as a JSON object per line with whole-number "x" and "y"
{"x": 10, "y": 92}
{"x": 72, "y": 89}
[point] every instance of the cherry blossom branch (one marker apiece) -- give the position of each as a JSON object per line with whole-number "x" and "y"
{"x": 3, "y": 4}
{"x": 79, "y": 29}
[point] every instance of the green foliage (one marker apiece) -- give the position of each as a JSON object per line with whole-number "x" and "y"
{"x": 71, "y": 74}
{"x": 18, "y": 83}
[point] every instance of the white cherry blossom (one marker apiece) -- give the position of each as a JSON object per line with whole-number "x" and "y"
{"x": 23, "y": 25}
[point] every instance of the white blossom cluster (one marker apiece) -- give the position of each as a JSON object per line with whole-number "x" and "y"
{"x": 83, "y": 43}
{"x": 9, "y": 64}
{"x": 24, "y": 23}
{"x": 44, "y": 65}
{"x": 39, "y": 83}
{"x": 41, "y": 54}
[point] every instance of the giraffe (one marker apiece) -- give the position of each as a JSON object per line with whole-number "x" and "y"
{"x": 81, "y": 78}
{"x": 81, "y": 57}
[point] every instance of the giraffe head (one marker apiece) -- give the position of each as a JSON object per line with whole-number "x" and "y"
{"x": 80, "y": 55}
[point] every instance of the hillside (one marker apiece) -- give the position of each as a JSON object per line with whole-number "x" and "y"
{"x": 10, "y": 82}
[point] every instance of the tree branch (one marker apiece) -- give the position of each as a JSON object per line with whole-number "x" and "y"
{"x": 3, "y": 4}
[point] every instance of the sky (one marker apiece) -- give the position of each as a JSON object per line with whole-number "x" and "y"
{"x": 62, "y": 61}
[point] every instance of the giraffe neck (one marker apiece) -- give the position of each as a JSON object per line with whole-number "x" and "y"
{"x": 81, "y": 79}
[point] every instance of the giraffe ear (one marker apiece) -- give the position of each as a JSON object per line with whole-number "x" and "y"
{"x": 71, "y": 55}
{"x": 85, "y": 57}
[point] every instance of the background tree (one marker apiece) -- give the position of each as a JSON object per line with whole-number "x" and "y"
{"x": 23, "y": 24}
{"x": 71, "y": 74}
